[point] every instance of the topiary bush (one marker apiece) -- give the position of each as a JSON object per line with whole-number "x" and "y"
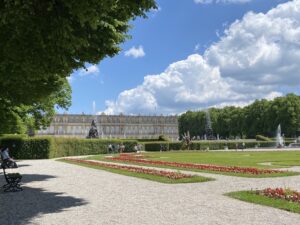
{"x": 262, "y": 138}
{"x": 163, "y": 138}
{"x": 156, "y": 146}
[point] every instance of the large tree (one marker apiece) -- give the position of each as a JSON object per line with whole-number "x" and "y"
{"x": 44, "y": 41}
{"x": 24, "y": 118}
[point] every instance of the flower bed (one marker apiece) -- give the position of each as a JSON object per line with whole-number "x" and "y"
{"x": 171, "y": 175}
{"x": 281, "y": 193}
{"x": 229, "y": 169}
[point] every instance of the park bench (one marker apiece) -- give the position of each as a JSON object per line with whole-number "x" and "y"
{"x": 12, "y": 179}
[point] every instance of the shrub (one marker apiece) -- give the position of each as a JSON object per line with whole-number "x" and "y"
{"x": 262, "y": 138}
{"x": 163, "y": 138}
{"x": 156, "y": 146}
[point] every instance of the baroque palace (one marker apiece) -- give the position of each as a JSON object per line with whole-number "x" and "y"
{"x": 113, "y": 126}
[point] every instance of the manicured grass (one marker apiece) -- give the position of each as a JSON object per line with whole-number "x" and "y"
{"x": 251, "y": 196}
{"x": 279, "y": 159}
{"x": 194, "y": 179}
{"x": 241, "y": 159}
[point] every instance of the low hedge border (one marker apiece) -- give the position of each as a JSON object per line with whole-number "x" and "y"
{"x": 51, "y": 147}
{"x": 207, "y": 145}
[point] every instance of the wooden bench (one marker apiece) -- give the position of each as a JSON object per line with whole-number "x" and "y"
{"x": 12, "y": 179}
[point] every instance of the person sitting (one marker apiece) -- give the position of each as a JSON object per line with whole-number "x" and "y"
{"x": 122, "y": 148}
{"x": 135, "y": 148}
{"x": 110, "y": 148}
{"x": 7, "y": 160}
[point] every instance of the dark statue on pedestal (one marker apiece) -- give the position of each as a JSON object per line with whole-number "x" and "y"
{"x": 93, "y": 132}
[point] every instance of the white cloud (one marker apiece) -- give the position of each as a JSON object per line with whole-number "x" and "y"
{"x": 255, "y": 58}
{"x": 135, "y": 52}
{"x": 221, "y": 1}
{"x": 261, "y": 48}
{"x": 190, "y": 83}
{"x": 91, "y": 70}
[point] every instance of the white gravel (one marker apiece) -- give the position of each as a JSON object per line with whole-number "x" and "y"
{"x": 59, "y": 193}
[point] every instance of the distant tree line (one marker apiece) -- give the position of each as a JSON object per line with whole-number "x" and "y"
{"x": 261, "y": 117}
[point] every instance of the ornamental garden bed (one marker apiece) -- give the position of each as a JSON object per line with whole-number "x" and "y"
{"x": 225, "y": 170}
{"x": 140, "y": 172}
{"x": 281, "y": 198}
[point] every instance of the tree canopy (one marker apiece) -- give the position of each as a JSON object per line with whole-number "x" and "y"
{"x": 42, "y": 42}
{"x": 24, "y": 118}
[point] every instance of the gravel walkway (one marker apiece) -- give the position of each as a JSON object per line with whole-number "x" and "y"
{"x": 59, "y": 193}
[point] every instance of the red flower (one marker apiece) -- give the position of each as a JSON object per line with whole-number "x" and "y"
{"x": 171, "y": 175}
{"x": 280, "y": 193}
{"x": 232, "y": 169}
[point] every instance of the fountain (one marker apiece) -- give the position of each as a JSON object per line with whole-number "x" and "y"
{"x": 208, "y": 128}
{"x": 279, "y": 138}
{"x": 102, "y": 133}
{"x": 296, "y": 144}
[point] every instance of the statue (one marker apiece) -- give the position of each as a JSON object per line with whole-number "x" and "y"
{"x": 93, "y": 132}
{"x": 186, "y": 139}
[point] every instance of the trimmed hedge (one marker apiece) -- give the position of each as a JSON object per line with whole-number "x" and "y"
{"x": 208, "y": 145}
{"x": 28, "y": 148}
{"x": 50, "y": 147}
{"x": 75, "y": 146}
{"x": 22, "y": 147}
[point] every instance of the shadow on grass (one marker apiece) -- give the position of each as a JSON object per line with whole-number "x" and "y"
{"x": 19, "y": 208}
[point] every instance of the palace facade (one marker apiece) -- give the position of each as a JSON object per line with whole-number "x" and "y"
{"x": 113, "y": 126}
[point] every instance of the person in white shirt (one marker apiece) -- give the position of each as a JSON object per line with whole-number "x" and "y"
{"x": 4, "y": 153}
{"x": 7, "y": 159}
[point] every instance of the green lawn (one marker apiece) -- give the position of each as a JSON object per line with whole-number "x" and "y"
{"x": 194, "y": 179}
{"x": 251, "y": 196}
{"x": 242, "y": 159}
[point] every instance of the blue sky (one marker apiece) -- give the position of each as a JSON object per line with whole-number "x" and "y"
{"x": 198, "y": 55}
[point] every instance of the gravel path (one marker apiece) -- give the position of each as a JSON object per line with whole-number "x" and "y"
{"x": 59, "y": 193}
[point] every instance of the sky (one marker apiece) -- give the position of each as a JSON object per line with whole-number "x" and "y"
{"x": 196, "y": 54}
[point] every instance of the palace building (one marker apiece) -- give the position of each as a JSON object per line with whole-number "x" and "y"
{"x": 113, "y": 126}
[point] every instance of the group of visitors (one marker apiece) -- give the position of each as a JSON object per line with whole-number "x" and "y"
{"x": 240, "y": 146}
{"x": 115, "y": 148}
{"x": 137, "y": 148}
{"x": 120, "y": 148}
